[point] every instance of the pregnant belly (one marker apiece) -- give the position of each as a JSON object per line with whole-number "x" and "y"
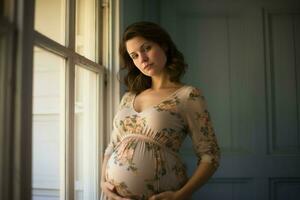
{"x": 144, "y": 170}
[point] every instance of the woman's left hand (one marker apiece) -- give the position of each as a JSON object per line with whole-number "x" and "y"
{"x": 169, "y": 195}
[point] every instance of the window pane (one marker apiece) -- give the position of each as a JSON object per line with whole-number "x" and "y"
{"x": 48, "y": 125}
{"x": 86, "y": 28}
{"x": 50, "y": 16}
{"x": 86, "y": 151}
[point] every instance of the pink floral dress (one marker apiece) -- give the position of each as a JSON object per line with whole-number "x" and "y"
{"x": 144, "y": 145}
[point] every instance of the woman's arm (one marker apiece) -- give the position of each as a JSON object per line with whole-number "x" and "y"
{"x": 201, "y": 175}
{"x": 200, "y": 129}
{"x": 104, "y": 163}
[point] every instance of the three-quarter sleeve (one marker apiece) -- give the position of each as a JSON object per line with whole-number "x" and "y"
{"x": 115, "y": 135}
{"x": 200, "y": 128}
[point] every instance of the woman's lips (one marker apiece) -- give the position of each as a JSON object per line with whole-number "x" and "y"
{"x": 147, "y": 66}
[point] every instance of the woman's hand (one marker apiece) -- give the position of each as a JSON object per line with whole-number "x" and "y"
{"x": 109, "y": 191}
{"x": 169, "y": 195}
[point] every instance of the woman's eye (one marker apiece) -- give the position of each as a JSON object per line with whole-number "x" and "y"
{"x": 147, "y": 48}
{"x": 134, "y": 56}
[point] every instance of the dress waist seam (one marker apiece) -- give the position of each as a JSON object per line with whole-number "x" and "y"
{"x": 150, "y": 140}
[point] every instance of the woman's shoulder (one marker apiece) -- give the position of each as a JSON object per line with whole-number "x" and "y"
{"x": 191, "y": 91}
{"x": 127, "y": 94}
{"x": 126, "y": 99}
{"x": 192, "y": 99}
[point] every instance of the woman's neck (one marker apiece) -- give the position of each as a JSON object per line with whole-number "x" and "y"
{"x": 158, "y": 84}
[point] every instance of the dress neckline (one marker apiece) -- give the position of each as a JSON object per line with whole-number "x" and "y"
{"x": 161, "y": 101}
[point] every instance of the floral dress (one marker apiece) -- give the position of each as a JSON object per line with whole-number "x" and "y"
{"x": 144, "y": 145}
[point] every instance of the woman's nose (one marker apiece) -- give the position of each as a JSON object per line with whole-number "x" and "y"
{"x": 144, "y": 57}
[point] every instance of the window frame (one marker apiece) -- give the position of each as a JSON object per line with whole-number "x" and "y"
{"x": 72, "y": 59}
{"x": 16, "y": 174}
{"x": 6, "y": 43}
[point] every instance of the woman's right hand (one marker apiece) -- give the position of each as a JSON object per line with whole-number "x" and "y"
{"x": 109, "y": 191}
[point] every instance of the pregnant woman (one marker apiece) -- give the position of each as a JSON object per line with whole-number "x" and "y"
{"x": 156, "y": 114}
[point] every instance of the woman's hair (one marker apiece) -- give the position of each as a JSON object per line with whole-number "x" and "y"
{"x": 135, "y": 80}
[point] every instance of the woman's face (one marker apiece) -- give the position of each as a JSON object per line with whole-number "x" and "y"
{"x": 147, "y": 56}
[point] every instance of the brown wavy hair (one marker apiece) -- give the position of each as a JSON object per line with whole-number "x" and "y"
{"x": 135, "y": 80}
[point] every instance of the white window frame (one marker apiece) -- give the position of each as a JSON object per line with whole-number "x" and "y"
{"x": 16, "y": 130}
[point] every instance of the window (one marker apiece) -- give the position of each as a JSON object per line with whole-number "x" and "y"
{"x": 48, "y": 124}
{"x": 52, "y": 86}
{"x": 86, "y": 129}
{"x": 67, "y": 100}
{"x": 85, "y": 28}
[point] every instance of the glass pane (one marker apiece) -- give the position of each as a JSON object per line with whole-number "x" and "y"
{"x": 48, "y": 125}
{"x": 86, "y": 151}
{"x": 50, "y": 16}
{"x": 86, "y": 28}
